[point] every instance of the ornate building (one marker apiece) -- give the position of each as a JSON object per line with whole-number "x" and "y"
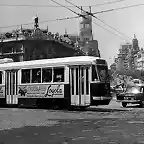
{"x": 86, "y": 41}
{"x": 85, "y": 37}
{"x": 31, "y": 44}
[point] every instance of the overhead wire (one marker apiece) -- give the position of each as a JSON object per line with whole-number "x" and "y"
{"x": 116, "y": 9}
{"x": 83, "y": 16}
{"x": 89, "y": 13}
{"x": 67, "y": 18}
{"x": 28, "y": 5}
{"x": 67, "y": 8}
{"x": 104, "y": 11}
{"x": 109, "y": 30}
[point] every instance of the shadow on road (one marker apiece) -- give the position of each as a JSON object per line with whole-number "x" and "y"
{"x": 105, "y": 109}
{"x": 91, "y": 109}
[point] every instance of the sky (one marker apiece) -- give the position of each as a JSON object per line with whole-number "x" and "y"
{"x": 128, "y": 21}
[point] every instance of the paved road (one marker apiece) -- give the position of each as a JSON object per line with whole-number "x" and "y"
{"x": 109, "y": 124}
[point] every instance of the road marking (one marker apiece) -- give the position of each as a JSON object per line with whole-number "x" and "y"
{"x": 78, "y": 138}
{"x": 136, "y": 122}
{"x": 53, "y": 134}
{"x": 88, "y": 130}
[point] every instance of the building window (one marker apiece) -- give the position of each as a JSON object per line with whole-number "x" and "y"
{"x": 86, "y": 39}
{"x": 81, "y": 26}
{"x": 87, "y": 26}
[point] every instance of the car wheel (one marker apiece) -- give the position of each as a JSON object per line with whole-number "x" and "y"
{"x": 124, "y": 104}
{"x": 142, "y": 104}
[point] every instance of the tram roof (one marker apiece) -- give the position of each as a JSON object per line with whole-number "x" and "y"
{"x": 77, "y": 60}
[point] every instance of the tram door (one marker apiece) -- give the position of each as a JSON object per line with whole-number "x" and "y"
{"x": 11, "y": 86}
{"x": 80, "y": 85}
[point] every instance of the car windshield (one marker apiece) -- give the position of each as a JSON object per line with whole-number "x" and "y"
{"x": 133, "y": 89}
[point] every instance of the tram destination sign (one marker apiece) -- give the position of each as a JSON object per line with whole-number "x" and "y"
{"x": 41, "y": 91}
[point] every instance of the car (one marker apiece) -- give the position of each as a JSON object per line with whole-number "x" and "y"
{"x": 133, "y": 94}
{"x": 137, "y": 81}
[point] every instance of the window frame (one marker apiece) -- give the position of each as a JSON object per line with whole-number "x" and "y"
{"x": 97, "y": 79}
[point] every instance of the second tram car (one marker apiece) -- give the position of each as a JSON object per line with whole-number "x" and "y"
{"x": 80, "y": 81}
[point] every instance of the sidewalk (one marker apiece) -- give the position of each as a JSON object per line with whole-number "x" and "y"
{"x": 114, "y": 98}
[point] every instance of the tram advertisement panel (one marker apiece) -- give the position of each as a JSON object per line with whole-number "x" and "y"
{"x": 41, "y": 91}
{"x": 2, "y": 91}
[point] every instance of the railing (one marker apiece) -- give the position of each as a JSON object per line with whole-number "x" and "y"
{"x": 65, "y": 40}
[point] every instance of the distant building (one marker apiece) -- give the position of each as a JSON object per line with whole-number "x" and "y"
{"x": 85, "y": 38}
{"x": 140, "y": 60}
{"x": 126, "y": 59}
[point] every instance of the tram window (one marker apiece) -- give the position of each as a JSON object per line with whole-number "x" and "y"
{"x": 1, "y": 74}
{"x": 46, "y": 75}
{"x": 25, "y": 76}
{"x": 58, "y": 74}
{"x": 36, "y": 75}
{"x": 94, "y": 74}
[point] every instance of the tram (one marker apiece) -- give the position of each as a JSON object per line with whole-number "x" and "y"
{"x": 80, "y": 82}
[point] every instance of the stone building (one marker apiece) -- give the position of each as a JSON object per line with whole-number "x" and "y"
{"x": 32, "y": 44}
{"x": 127, "y": 56}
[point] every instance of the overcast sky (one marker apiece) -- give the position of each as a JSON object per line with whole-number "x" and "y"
{"x": 128, "y": 21}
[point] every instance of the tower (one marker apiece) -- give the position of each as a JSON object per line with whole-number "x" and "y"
{"x": 86, "y": 27}
{"x": 135, "y": 46}
{"x": 36, "y": 23}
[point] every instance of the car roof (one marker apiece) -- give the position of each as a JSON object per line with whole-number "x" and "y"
{"x": 135, "y": 85}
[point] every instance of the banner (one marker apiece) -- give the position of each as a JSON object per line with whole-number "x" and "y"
{"x": 41, "y": 91}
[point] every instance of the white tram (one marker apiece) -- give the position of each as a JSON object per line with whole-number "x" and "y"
{"x": 80, "y": 81}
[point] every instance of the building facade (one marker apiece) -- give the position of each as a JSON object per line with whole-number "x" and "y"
{"x": 139, "y": 60}
{"x": 32, "y": 44}
{"x": 126, "y": 59}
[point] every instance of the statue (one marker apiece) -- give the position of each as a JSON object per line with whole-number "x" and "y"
{"x": 36, "y": 22}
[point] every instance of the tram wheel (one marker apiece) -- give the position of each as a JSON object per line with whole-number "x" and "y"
{"x": 124, "y": 104}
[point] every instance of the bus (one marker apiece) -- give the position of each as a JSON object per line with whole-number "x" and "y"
{"x": 69, "y": 82}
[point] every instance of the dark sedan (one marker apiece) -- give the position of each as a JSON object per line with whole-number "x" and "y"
{"x": 133, "y": 94}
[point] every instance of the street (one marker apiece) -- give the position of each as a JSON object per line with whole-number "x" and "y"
{"x": 100, "y": 125}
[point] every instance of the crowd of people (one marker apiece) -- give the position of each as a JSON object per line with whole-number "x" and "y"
{"x": 30, "y": 34}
